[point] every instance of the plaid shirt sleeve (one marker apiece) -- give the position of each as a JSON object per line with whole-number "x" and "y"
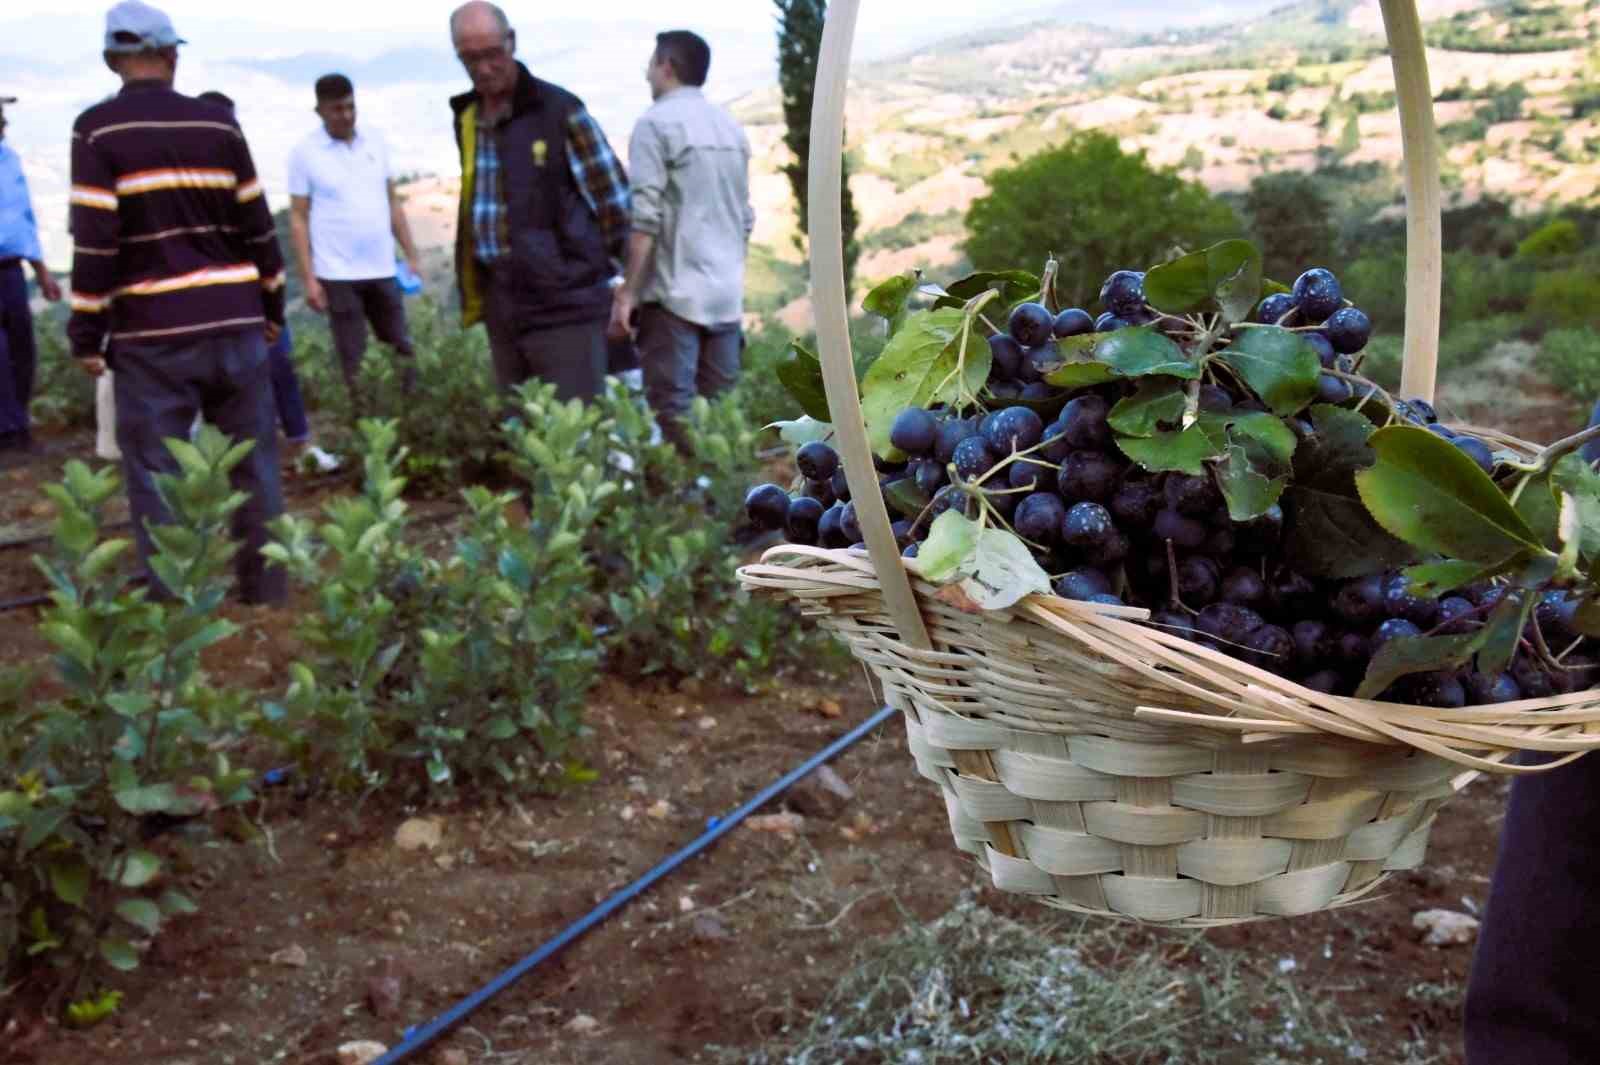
{"x": 600, "y": 178}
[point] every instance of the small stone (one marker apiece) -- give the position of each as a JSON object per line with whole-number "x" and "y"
{"x": 385, "y": 988}
{"x": 787, "y": 825}
{"x": 628, "y": 813}
{"x": 708, "y": 928}
{"x": 419, "y": 833}
{"x": 661, "y": 809}
{"x": 822, "y": 793}
{"x": 294, "y": 956}
{"x": 445, "y": 861}
{"x": 707, "y": 723}
{"x": 361, "y": 1052}
{"x": 685, "y": 904}
{"x": 399, "y": 918}
{"x": 451, "y": 1056}
{"x": 582, "y": 1024}
{"x": 1444, "y": 928}
{"x": 829, "y": 708}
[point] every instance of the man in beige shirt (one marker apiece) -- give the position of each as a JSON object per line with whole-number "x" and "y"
{"x": 691, "y": 220}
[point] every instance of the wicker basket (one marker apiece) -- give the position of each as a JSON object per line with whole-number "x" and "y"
{"x": 1108, "y": 767}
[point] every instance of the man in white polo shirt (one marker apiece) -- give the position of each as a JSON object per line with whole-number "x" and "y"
{"x": 345, "y": 219}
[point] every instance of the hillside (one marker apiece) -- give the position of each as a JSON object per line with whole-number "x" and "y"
{"x": 1305, "y": 84}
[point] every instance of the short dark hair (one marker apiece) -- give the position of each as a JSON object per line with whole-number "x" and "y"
{"x": 688, "y": 53}
{"x": 334, "y": 87}
{"x": 212, "y": 96}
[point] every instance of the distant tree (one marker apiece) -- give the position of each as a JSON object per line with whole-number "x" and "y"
{"x": 1094, "y": 207}
{"x": 799, "y": 40}
{"x": 1350, "y": 136}
{"x": 1292, "y": 223}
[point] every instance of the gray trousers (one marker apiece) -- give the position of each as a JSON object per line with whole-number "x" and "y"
{"x": 571, "y": 357}
{"x": 682, "y": 360}
{"x": 354, "y": 304}
{"x": 160, "y": 387}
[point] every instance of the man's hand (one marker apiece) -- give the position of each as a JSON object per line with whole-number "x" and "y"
{"x": 622, "y": 306}
{"x": 316, "y": 298}
{"x": 416, "y": 270}
{"x": 272, "y": 331}
{"x": 93, "y": 365}
{"x": 49, "y": 288}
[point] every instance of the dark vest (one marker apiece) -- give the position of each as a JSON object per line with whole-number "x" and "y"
{"x": 558, "y": 271}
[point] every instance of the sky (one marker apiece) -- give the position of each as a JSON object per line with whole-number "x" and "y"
{"x": 876, "y": 15}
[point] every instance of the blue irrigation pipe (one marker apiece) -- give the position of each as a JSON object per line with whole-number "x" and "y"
{"x": 417, "y": 1038}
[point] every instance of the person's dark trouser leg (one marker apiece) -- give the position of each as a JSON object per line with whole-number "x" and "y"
{"x": 719, "y": 366}
{"x": 385, "y": 308}
{"x": 1529, "y": 999}
{"x": 571, "y": 357}
{"x": 669, "y": 351}
{"x": 347, "y": 321}
{"x": 158, "y": 394}
{"x": 236, "y": 403}
{"x": 17, "y": 352}
{"x": 510, "y": 370}
{"x": 286, "y": 397}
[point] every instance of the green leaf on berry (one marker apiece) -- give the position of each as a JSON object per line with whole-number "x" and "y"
{"x": 1578, "y": 479}
{"x": 919, "y": 367}
{"x": 1277, "y": 364}
{"x": 1184, "y": 452}
{"x": 1264, "y": 433}
{"x": 1228, "y": 273}
{"x": 1331, "y": 534}
{"x": 1141, "y": 351}
{"x": 905, "y": 497}
{"x": 1250, "y": 492}
{"x": 1004, "y": 570}
{"x": 1430, "y": 494}
{"x": 1158, "y": 401}
{"x": 1080, "y": 375}
{"x": 1431, "y": 579}
{"x": 1503, "y": 631}
{"x": 1540, "y": 509}
{"x": 1416, "y": 654}
{"x": 888, "y": 300}
{"x": 1014, "y": 286}
{"x": 800, "y": 372}
{"x": 948, "y": 551}
{"x": 803, "y": 430}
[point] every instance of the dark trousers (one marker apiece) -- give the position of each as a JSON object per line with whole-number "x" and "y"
{"x": 17, "y": 353}
{"x": 159, "y": 389}
{"x": 352, "y": 306}
{"x": 1530, "y": 999}
{"x": 571, "y": 357}
{"x": 286, "y": 389}
{"x": 682, "y": 360}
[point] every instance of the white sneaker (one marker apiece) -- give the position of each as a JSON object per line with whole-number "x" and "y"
{"x": 317, "y": 460}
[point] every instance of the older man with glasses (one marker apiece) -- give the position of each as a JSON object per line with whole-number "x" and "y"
{"x": 543, "y": 218}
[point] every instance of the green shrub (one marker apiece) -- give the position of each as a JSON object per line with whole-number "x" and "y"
{"x": 1461, "y": 345}
{"x": 63, "y": 395}
{"x": 1563, "y": 299}
{"x": 1096, "y": 207}
{"x": 420, "y": 672}
{"x": 448, "y": 424}
{"x": 1552, "y": 240}
{"x": 1571, "y": 358}
{"x": 138, "y": 734}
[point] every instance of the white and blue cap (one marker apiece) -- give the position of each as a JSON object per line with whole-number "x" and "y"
{"x": 133, "y": 27}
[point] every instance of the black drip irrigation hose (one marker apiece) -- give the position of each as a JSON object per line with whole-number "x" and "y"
{"x": 419, "y": 1037}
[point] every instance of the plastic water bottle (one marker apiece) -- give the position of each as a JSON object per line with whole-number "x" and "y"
{"x": 410, "y": 284}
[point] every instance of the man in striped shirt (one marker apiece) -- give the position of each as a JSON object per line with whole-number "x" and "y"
{"x": 177, "y": 280}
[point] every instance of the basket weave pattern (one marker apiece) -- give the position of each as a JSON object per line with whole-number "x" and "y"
{"x": 1108, "y": 768}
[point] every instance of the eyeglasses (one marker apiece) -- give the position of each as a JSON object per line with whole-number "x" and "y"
{"x": 486, "y": 55}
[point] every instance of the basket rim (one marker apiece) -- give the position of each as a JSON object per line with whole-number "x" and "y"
{"x": 1232, "y": 696}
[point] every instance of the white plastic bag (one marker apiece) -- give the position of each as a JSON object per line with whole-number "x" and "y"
{"x": 105, "y": 419}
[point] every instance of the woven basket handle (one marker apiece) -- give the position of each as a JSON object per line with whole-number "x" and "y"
{"x": 1424, "y": 262}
